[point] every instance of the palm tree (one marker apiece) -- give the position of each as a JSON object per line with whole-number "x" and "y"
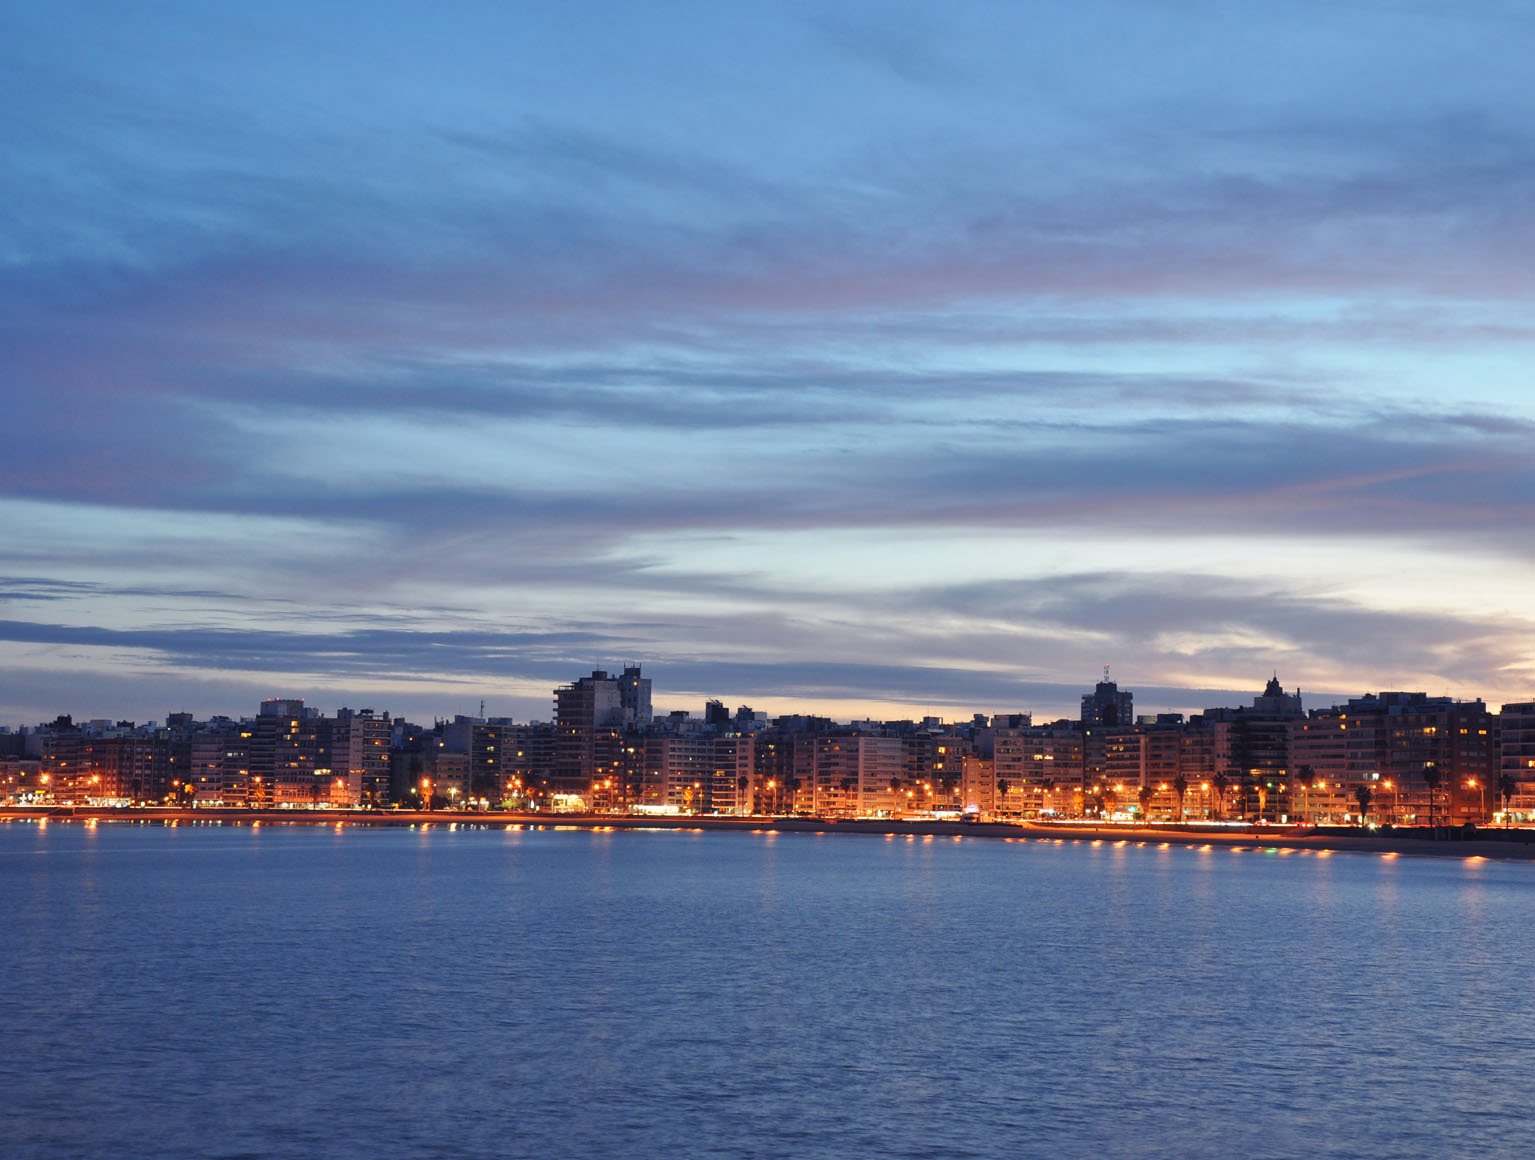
{"x": 1507, "y": 787}
{"x": 847, "y": 788}
{"x": 895, "y": 796}
{"x": 1145, "y": 794}
{"x": 1363, "y": 794}
{"x": 1002, "y": 788}
{"x": 1302, "y": 782}
{"x": 1180, "y": 787}
{"x": 1221, "y": 783}
{"x": 742, "y": 783}
{"x": 1432, "y": 778}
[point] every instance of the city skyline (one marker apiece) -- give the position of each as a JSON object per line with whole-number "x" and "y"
{"x": 1052, "y": 701}
{"x": 891, "y": 360}
{"x": 671, "y": 701}
{"x": 608, "y": 750}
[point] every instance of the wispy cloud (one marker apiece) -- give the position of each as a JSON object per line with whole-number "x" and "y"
{"x": 501, "y": 318}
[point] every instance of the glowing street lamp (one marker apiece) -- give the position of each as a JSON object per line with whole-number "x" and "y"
{"x": 1474, "y": 784}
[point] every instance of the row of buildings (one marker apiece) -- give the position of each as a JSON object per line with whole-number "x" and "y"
{"x": 1393, "y": 757}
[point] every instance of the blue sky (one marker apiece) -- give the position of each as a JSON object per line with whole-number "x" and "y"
{"x": 892, "y": 358}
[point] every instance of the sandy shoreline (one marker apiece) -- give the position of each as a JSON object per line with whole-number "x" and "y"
{"x": 1518, "y": 845}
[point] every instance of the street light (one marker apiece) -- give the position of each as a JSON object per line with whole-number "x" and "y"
{"x": 1474, "y": 784}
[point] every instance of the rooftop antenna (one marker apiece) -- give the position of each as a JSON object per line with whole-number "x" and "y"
{"x": 482, "y": 708}
{"x": 1105, "y": 674}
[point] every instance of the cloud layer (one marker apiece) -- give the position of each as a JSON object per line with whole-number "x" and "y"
{"x": 903, "y": 359}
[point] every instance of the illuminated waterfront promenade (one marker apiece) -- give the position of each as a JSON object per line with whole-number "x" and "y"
{"x": 1517, "y": 844}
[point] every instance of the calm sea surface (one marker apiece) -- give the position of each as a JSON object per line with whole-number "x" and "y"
{"x": 306, "y": 992}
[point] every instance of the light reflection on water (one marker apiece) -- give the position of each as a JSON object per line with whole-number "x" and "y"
{"x": 290, "y": 991}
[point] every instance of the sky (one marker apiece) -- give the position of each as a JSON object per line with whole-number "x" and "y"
{"x": 884, "y": 359}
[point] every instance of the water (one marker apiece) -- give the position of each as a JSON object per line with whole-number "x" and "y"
{"x": 303, "y": 992}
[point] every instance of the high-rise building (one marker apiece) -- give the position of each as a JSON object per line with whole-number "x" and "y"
{"x": 1516, "y": 724}
{"x": 359, "y": 752}
{"x": 1103, "y": 710}
{"x": 217, "y": 760}
{"x": 285, "y": 753}
{"x": 527, "y": 759}
{"x": 1106, "y": 706}
{"x": 979, "y": 786}
{"x": 1253, "y": 748}
{"x": 860, "y": 775}
{"x": 481, "y": 743}
{"x": 785, "y": 771}
{"x": 634, "y": 697}
{"x": 589, "y": 718}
